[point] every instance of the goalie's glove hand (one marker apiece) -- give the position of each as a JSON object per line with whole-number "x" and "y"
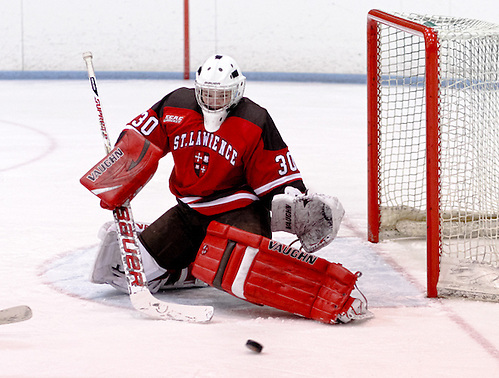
{"x": 314, "y": 218}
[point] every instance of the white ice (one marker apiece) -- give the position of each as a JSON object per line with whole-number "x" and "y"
{"x": 50, "y": 137}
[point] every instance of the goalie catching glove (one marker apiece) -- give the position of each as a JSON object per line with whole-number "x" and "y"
{"x": 314, "y": 218}
{"x": 124, "y": 171}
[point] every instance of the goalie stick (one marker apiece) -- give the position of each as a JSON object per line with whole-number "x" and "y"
{"x": 15, "y": 314}
{"x": 140, "y": 296}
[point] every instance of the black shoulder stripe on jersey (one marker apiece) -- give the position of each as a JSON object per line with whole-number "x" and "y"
{"x": 250, "y": 111}
{"x": 184, "y": 98}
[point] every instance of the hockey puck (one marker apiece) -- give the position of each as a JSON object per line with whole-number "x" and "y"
{"x": 254, "y": 346}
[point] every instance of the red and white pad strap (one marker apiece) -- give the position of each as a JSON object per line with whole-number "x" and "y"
{"x": 264, "y": 271}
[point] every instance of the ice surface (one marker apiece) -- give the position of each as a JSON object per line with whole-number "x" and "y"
{"x": 50, "y": 137}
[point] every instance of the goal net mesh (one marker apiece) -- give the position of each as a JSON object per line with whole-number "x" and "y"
{"x": 468, "y": 146}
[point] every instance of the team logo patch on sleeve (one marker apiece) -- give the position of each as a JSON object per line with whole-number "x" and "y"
{"x": 173, "y": 118}
{"x": 201, "y": 161}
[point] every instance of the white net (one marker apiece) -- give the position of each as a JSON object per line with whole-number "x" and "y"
{"x": 469, "y": 145}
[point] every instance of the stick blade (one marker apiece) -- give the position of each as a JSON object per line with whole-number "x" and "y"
{"x": 15, "y": 314}
{"x": 146, "y": 303}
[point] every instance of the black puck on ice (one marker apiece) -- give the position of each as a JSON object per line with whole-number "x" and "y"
{"x": 254, "y": 346}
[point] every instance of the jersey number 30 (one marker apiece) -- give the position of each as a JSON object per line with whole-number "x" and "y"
{"x": 286, "y": 163}
{"x": 148, "y": 126}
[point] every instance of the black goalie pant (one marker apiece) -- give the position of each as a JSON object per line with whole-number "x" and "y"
{"x": 174, "y": 238}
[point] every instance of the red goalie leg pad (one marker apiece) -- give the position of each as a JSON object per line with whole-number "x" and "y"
{"x": 217, "y": 250}
{"x": 264, "y": 271}
{"x": 124, "y": 171}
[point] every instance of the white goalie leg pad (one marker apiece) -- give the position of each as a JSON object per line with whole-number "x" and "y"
{"x": 108, "y": 266}
{"x": 314, "y": 218}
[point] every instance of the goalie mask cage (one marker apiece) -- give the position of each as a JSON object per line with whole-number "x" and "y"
{"x": 433, "y": 145}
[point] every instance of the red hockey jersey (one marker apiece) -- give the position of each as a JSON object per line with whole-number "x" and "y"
{"x": 243, "y": 161}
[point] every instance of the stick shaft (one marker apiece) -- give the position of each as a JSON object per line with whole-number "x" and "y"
{"x": 87, "y": 57}
{"x": 140, "y": 296}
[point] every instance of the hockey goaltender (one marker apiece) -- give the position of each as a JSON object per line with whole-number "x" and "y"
{"x": 235, "y": 182}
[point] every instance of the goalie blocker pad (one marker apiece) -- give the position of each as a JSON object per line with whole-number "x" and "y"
{"x": 266, "y": 272}
{"x": 124, "y": 171}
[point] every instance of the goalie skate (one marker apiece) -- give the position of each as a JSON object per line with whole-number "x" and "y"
{"x": 357, "y": 311}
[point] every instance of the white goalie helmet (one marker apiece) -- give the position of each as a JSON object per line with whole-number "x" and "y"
{"x": 219, "y": 87}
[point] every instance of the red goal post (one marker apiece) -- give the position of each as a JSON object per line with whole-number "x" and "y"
{"x": 375, "y": 17}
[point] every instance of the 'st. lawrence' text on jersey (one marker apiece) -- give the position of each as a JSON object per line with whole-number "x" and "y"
{"x": 244, "y": 160}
